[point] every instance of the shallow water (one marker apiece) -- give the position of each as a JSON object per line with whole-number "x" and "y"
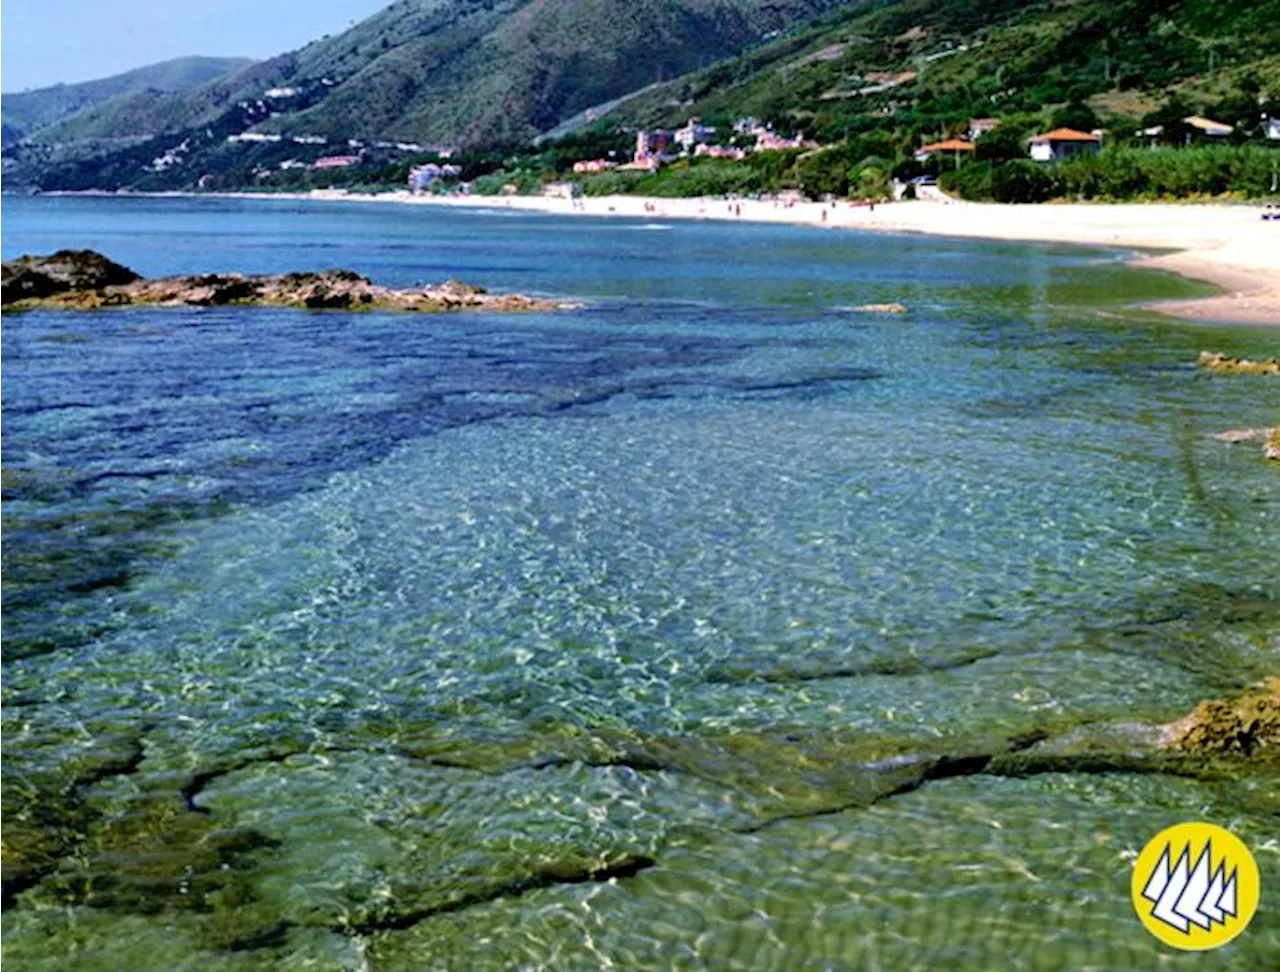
{"x": 361, "y": 640}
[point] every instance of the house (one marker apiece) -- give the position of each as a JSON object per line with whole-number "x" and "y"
{"x": 1272, "y": 127}
{"x": 720, "y": 152}
{"x": 593, "y": 166}
{"x": 648, "y": 164}
{"x": 422, "y": 176}
{"x": 1062, "y": 143}
{"x": 767, "y": 141}
{"x": 954, "y": 146}
{"x": 694, "y": 133}
{"x": 1207, "y": 126}
{"x": 982, "y": 126}
{"x": 561, "y": 190}
{"x": 650, "y": 147}
{"x": 254, "y": 137}
{"x": 335, "y": 161}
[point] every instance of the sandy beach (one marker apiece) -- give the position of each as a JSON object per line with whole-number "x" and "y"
{"x": 1227, "y": 245}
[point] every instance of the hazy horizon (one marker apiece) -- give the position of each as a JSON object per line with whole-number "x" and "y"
{"x": 49, "y": 42}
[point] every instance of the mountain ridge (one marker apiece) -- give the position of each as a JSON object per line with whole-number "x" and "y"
{"x": 26, "y": 113}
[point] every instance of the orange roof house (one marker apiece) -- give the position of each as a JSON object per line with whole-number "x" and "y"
{"x": 954, "y": 145}
{"x": 1062, "y": 143}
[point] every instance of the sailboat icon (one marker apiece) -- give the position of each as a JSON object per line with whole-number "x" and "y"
{"x": 1186, "y": 895}
{"x": 1188, "y": 886}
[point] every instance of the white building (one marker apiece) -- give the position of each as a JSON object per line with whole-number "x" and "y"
{"x": 1272, "y": 126}
{"x": 422, "y": 176}
{"x": 982, "y": 126}
{"x": 254, "y": 137}
{"x": 693, "y": 133}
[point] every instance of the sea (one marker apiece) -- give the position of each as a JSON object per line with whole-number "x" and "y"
{"x": 715, "y": 622}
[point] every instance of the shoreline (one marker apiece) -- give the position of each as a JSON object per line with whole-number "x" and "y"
{"x": 1228, "y": 246}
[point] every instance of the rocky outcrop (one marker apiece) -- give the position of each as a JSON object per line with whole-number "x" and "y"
{"x": 1248, "y": 725}
{"x": 32, "y": 278}
{"x": 84, "y": 280}
{"x": 1214, "y": 361}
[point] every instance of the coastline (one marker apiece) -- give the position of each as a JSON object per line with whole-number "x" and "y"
{"x": 1229, "y": 246}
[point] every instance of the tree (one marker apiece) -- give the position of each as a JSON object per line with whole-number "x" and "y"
{"x": 1002, "y": 144}
{"x": 1077, "y": 115}
{"x": 869, "y": 182}
{"x": 1021, "y": 181}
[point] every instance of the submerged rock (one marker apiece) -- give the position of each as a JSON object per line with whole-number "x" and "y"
{"x": 1241, "y": 435}
{"x": 893, "y": 308}
{"x": 1270, "y": 439}
{"x": 1214, "y": 361}
{"x": 84, "y": 280}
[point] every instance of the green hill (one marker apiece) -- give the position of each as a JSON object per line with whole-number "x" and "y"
{"x": 928, "y": 66}
{"x": 876, "y": 77}
{"x": 463, "y": 71}
{"x": 26, "y": 113}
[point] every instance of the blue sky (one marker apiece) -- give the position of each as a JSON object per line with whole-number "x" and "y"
{"x": 43, "y": 42}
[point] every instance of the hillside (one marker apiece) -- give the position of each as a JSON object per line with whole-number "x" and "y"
{"x": 26, "y": 113}
{"x": 875, "y": 77}
{"x": 463, "y": 71}
{"x": 922, "y": 66}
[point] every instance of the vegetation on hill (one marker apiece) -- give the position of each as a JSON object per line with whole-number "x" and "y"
{"x": 464, "y": 71}
{"x": 926, "y": 67}
{"x": 26, "y": 113}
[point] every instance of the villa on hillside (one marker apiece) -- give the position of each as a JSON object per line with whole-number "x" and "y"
{"x": 720, "y": 152}
{"x": 954, "y": 146}
{"x": 767, "y": 141}
{"x": 422, "y": 176}
{"x": 694, "y": 133}
{"x": 593, "y": 166}
{"x": 1062, "y": 143}
{"x": 982, "y": 126}
{"x": 651, "y": 148}
{"x": 1206, "y": 127}
{"x": 335, "y": 161}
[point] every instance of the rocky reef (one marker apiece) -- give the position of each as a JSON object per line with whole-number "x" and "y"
{"x": 85, "y": 280}
{"x": 1247, "y": 725}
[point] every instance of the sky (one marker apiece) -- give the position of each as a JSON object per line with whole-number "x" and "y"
{"x": 44, "y": 42}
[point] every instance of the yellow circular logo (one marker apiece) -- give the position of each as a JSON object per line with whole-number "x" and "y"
{"x": 1195, "y": 886}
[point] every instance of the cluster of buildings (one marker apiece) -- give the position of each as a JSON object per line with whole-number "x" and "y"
{"x": 655, "y": 147}
{"x": 1066, "y": 143}
{"x": 422, "y": 177}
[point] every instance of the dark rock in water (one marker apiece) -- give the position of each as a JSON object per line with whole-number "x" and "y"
{"x": 35, "y": 277}
{"x": 87, "y": 281}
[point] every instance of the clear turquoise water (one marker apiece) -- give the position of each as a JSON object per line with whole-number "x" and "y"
{"x": 371, "y": 641}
